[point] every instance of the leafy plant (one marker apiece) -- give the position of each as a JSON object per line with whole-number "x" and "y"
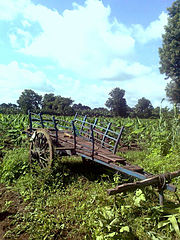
{"x": 14, "y": 165}
{"x": 172, "y": 220}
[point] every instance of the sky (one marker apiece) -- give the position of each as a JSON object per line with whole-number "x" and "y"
{"x": 82, "y": 49}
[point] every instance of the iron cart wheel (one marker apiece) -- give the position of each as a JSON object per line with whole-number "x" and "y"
{"x": 41, "y": 148}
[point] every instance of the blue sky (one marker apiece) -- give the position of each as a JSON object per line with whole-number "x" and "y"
{"x": 82, "y": 49}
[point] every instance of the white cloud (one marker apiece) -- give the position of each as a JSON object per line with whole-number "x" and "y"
{"x": 28, "y": 66}
{"x": 26, "y": 23}
{"x": 13, "y": 40}
{"x": 83, "y": 41}
{"x": 153, "y": 31}
{"x": 9, "y": 9}
{"x": 20, "y": 38}
{"x": 91, "y": 94}
{"x": 150, "y": 86}
{"x": 121, "y": 70}
{"x": 15, "y": 79}
{"x": 26, "y": 36}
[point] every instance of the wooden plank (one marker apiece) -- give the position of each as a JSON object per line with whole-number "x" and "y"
{"x": 83, "y": 152}
{"x": 140, "y": 184}
{"x": 64, "y": 148}
{"x": 110, "y": 159}
{"x": 134, "y": 168}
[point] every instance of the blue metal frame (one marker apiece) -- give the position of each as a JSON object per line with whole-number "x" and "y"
{"x": 134, "y": 174}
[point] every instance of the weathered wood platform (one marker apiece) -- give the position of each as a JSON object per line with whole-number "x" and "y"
{"x": 66, "y": 142}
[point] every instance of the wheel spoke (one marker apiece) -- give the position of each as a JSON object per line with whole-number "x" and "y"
{"x": 43, "y": 161}
{"x": 41, "y": 149}
{"x": 41, "y": 141}
{"x": 43, "y": 145}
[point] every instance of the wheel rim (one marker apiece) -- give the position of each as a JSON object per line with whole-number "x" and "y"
{"x": 41, "y": 149}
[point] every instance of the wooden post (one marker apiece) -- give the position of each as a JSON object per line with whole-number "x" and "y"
{"x": 161, "y": 197}
{"x": 154, "y": 180}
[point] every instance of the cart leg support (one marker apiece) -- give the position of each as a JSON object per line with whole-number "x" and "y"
{"x": 161, "y": 197}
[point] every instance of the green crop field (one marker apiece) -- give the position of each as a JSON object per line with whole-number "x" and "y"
{"x": 70, "y": 201}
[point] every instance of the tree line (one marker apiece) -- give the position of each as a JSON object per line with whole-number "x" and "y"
{"x": 57, "y": 105}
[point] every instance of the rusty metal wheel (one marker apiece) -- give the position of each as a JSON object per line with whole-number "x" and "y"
{"x": 41, "y": 148}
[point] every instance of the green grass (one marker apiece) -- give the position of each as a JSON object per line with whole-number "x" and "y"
{"x": 71, "y": 202}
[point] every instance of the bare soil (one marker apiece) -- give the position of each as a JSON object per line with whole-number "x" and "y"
{"x": 10, "y": 204}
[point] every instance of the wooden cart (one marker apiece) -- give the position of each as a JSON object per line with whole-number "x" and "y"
{"x": 92, "y": 142}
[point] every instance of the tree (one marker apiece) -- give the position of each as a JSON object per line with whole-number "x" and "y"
{"x": 52, "y": 104}
{"x": 100, "y": 111}
{"x": 173, "y": 92}
{"x": 117, "y": 102}
{"x": 82, "y": 109}
{"x": 29, "y": 100}
{"x": 168, "y": 113}
{"x": 9, "y": 108}
{"x": 143, "y": 108}
{"x": 48, "y": 103}
{"x": 63, "y": 106}
{"x": 170, "y": 52}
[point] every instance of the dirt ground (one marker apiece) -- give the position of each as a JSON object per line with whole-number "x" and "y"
{"x": 10, "y": 204}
